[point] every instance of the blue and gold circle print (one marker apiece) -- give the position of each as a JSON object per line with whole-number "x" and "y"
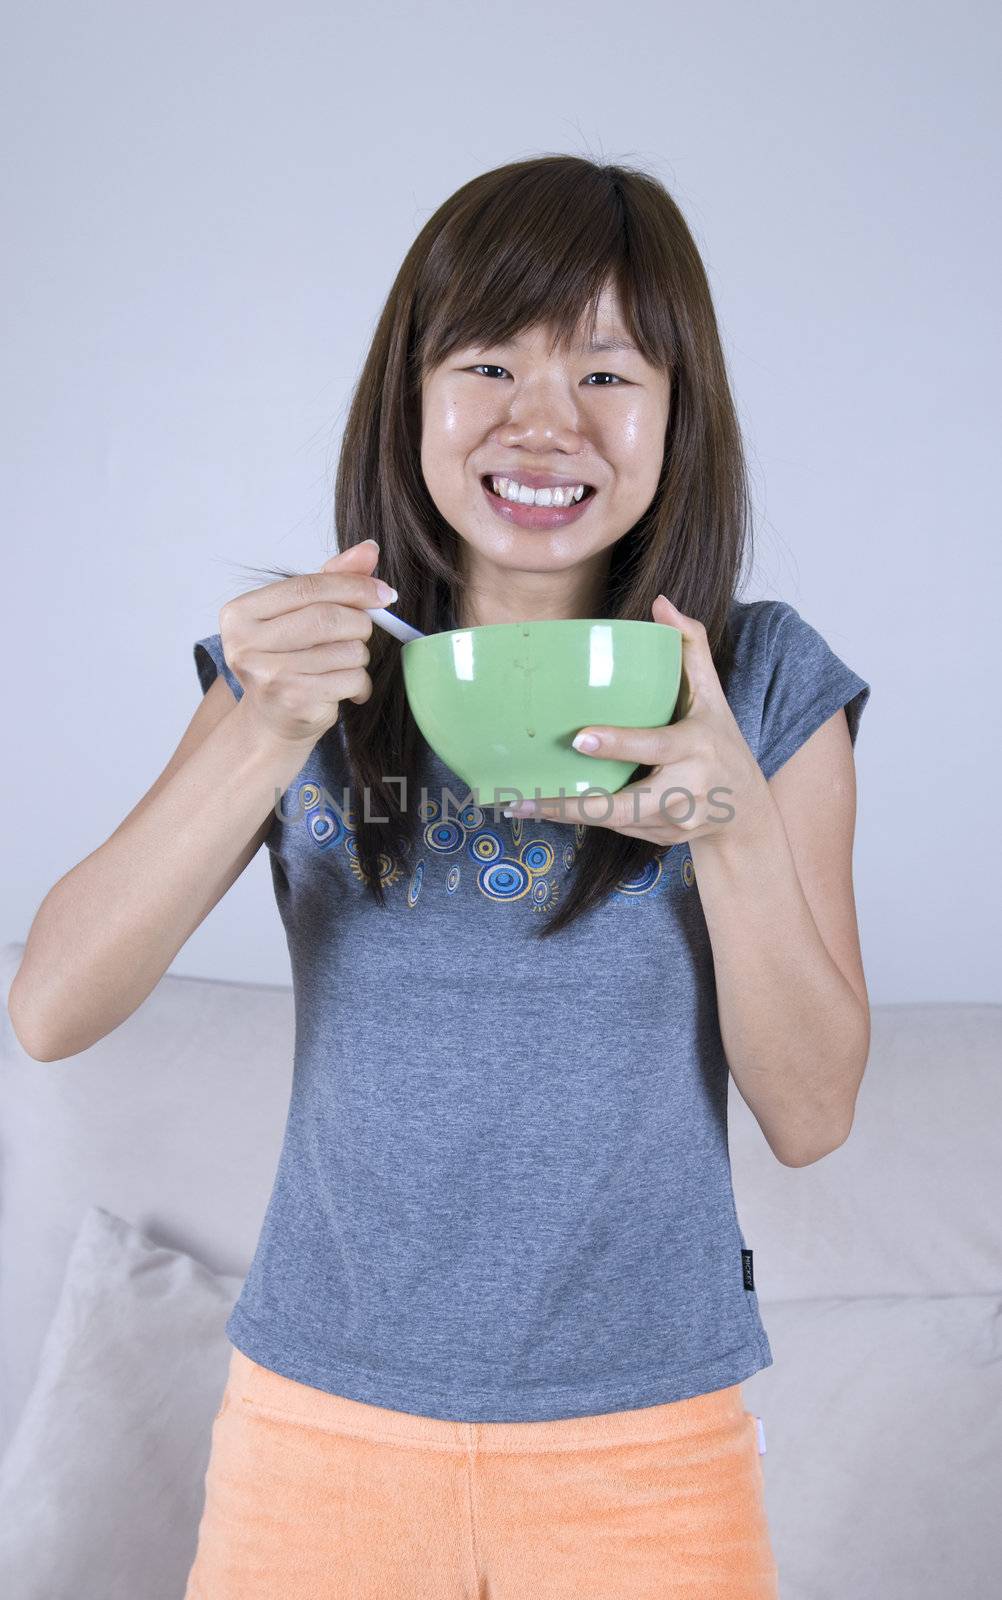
{"x": 325, "y": 826}
{"x": 444, "y": 835}
{"x": 414, "y": 887}
{"x": 486, "y": 845}
{"x": 537, "y": 855}
{"x": 544, "y": 893}
{"x": 642, "y": 882}
{"x": 517, "y": 864}
{"x": 504, "y": 879}
{"x": 387, "y": 868}
{"x": 323, "y": 822}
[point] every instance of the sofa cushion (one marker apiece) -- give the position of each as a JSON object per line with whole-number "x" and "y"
{"x": 883, "y": 1433}
{"x": 174, "y": 1120}
{"x": 102, "y": 1486}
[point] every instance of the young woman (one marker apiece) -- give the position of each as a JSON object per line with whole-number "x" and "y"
{"x": 493, "y": 1337}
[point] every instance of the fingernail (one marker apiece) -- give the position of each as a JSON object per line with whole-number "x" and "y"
{"x": 385, "y": 593}
{"x": 586, "y": 741}
{"x": 524, "y": 808}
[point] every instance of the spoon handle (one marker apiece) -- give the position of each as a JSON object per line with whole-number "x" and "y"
{"x": 391, "y": 624}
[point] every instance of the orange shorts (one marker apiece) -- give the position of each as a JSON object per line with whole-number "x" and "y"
{"x": 311, "y": 1496}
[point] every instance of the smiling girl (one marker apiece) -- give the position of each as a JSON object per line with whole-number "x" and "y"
{"x": 493, "y": 1336}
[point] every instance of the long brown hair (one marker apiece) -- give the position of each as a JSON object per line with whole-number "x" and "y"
{"x": 527, "y": 244}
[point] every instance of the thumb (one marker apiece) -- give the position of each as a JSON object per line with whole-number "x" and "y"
{"x": 369, "y": 551}
{"x": 664, "y": 611}
{"x": 699, "y": 674}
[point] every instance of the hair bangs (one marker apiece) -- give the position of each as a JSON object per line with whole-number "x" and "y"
{"x": 535, "y": 249}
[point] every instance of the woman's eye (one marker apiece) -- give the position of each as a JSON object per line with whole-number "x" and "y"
{"x": 482, "y": 365}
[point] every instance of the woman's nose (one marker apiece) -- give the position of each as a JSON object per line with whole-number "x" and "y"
{"x": 544, "y": 424}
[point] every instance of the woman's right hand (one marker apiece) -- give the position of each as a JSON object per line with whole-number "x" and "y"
{"x": 298, "y": 646}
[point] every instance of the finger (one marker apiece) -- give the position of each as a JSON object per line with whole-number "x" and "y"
{"x": 343, "y": 557}
{"x": 345, "y": 617}
{"x": 344, "y": 585}
{"x": 654, "y": 746}
{"x": 597, "y": 810}
{"x": 334, "y": 655}
{"x": 702, "y": 681}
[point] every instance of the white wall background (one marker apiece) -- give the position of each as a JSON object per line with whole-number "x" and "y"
{"x": 204, "y": 207}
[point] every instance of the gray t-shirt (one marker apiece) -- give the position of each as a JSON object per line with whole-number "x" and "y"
{"x": 504, "y": 1191}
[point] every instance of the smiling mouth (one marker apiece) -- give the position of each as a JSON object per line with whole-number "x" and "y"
{"x": 488, "y": 479}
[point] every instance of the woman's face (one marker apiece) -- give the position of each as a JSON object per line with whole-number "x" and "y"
{"x": 590, "y": 416}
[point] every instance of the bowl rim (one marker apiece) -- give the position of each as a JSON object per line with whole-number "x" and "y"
{"x": 548, "y": 622}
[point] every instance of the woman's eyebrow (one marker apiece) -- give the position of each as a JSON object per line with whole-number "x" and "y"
{"x": 613, "y": 342}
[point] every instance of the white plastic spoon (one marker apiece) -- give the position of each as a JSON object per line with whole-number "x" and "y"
{"x": 400, "y": 630}
{"x": 394, "y": 624}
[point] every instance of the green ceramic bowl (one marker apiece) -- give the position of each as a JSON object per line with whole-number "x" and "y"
{"x": 500, "y": 704}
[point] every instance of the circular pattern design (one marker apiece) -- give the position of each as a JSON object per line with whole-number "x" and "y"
{"x": 504, "y": 879}
{"x": 643, "y": 882}
{"x": 501, "y": 877}
{"x": 414, "y": 887}
{"x": 386, "y": 868}
{"x": 537, "y": 855}
{"x": 541, "y": 892}
{"x": 443, "y": 836}
{"x": 487, "y": 845}
{"x": 325, "y": 827}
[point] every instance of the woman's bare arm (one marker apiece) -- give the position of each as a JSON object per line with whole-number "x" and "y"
{"x": 108, "y": 930}
{"x": 106, "y": 933}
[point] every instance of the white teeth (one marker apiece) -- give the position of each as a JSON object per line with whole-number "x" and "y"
{"x": 509, "y": 489}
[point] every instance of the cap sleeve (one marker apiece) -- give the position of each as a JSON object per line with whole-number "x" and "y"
{"x": 210, "y": 662}
{"x": 807, "y": 683}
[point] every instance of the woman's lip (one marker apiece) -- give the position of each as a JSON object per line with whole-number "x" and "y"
{"x": 536, "y": 516}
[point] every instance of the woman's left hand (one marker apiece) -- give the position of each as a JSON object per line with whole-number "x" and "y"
{"x": 703, "y": 768}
